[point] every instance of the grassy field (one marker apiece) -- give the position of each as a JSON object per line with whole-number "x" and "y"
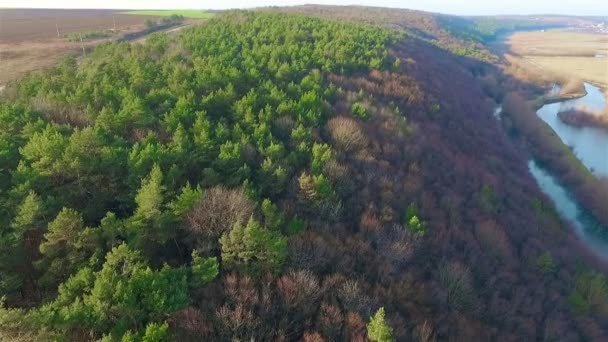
{"x": 564, "y": 53}
{"x": 193, "y": 14}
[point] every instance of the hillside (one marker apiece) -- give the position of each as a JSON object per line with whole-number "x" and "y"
{"x": 271, "y": 176}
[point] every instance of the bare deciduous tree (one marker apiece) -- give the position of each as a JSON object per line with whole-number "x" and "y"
{"x": 217, "y": 212}
{"x": 300, "y": 290}
{"x": 346, "y": 134}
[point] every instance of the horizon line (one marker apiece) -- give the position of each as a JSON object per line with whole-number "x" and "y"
{"x": 301, "y": 5}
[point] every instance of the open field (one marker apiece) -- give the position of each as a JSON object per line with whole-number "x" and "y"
{"x": 21, "y": 25}
{"x": 564, "y": 54}
{"x": 29, "y": 38}
{"x": 194, "y": 14}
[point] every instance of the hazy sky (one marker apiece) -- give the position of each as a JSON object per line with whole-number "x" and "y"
{"x": 578, "y": 7}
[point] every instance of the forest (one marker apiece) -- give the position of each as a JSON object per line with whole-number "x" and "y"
{"x": 272, "y": 176}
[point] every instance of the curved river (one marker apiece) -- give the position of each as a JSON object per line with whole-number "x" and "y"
{"x": 590, "y": 145}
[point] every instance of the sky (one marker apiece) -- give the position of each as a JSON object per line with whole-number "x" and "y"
{"x": 461, "y": 7}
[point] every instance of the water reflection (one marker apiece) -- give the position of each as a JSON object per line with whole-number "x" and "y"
{"x": 586, "y": 227}
{"x": 589, "y": 144}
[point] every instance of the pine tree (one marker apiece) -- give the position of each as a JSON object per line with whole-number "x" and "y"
{"x": 149, "y": 198}
{"x": 378, "y": 329}
{"x": 61, "y": 250}
{"x": 253, "y": 248}
{"x": 203, "y": 270}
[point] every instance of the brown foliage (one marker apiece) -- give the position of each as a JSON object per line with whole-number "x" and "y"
{"x": 494, "y": 240}
{"x": 424, "y": 332}
{"x": 330, "y": 320}
{"x": 435, "y": 146}
{"x": 458, "y": 285}
{"x": 239, "y": 322}
{"x": 346, "y": 134}
{"x": 61, "y": 114}
{"x": 397, "y": 244}
{"x": 353, "y": 298}
{"x": 310, "y": 251}
{"x": 312, "y": 337}
{"x": 300, "y": 290}
{"x": 550, "y": 150}
{"x": 582, "y": 118}
{"x": 355, "y": 327}
{"x": 241, "y": 289}
{"x": 217, "y": 212}
{"x": 395, "y": 86}
{"x": 572, "y": 86}
{"x": 191, "y": 321}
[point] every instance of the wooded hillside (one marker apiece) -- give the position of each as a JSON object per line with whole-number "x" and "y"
{"x": 270, "y": 176}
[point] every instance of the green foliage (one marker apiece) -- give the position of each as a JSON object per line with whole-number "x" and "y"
{"x": 412, "y": 222}
{"x": 273, "y": 218}
{"x": 416, "y": 226}
{"x": 378, "y": 330}
{"x": 487, "y": 199}
{"x": 590, "y": 294}
{"x": 150, "y": 24}
{"x": 65, "y": 247}
{"x": 197, "y": 14}
{"x": 360, "y": 111}
{"x": 124, "y": 295}
{"x": 149, "y": 198}
{"x": 321, "y": 154}
{"x": 88, "y": 35}
{"x": 253, "y": 248}
{"x": 295, "y": 226}
{"x": 203, "y": 270}
{"x": 127, "y": 139}
{"x": 186, "y": 200}
{"x": 29, "y": 215}
{"x": 544, "y": 263}
{"x": 156, "y": 333}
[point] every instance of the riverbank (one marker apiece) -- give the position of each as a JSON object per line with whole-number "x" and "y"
{"x": 549, "y": 99}
{"x": 552, "y": 153}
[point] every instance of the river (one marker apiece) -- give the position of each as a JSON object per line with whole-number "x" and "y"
{"x": 590, "y": 145}
{"x": 585, "y": 225}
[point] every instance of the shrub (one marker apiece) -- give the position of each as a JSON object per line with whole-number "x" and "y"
{"x": 359, "y": 111}
{"x": 544, "y": 263}
{"x": 590, "y": 295}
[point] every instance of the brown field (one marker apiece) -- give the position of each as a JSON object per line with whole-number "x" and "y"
{"x": 29, "y": 41}
{"x": 562, "y": 54}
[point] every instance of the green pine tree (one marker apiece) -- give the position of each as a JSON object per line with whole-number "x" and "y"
{"x": 378, "y": 329}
